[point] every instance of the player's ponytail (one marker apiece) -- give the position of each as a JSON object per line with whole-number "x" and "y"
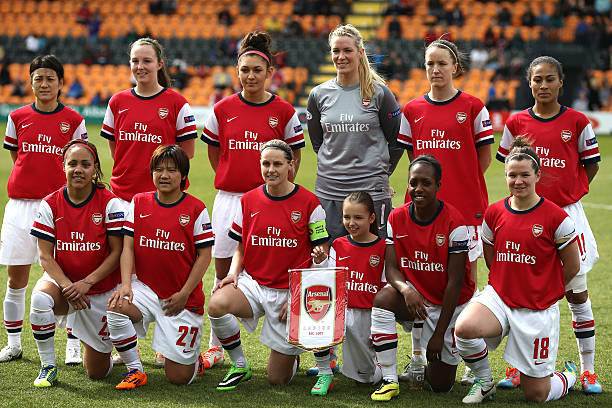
{"x": 457, "y": 56}
{"x": 367, "y": 73}
{"x": 521, "y": 149}
{"x": 163, "y": 78}
{"x": 257, "y": 43}
{"x": 362, "y": 197}
{"x": 91, "y": 148}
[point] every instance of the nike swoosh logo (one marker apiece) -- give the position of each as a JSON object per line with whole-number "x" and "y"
{"x": 454, "y": 352}
{"x": 230, "y": 119}
{"x": 187, "y": 351}
{"x": 57, "y": 219}
{"x": 144, "y": 215}
{"x": 122, "y": 110}
{"x": 343, "y": 257}
{"x": 498, "y": 227}
{"x": 540, "y": 362}
{"x": 254, "y": 214}
{"x": 25, "y": 126}
{"x": 416, "y": 120}
{"x": 361, "y": 372}
{"x": 401, "y": 236}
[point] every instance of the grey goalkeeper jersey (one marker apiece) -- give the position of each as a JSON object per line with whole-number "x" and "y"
{"x": 354, "y": 139}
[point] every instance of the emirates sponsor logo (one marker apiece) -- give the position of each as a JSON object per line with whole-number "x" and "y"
{"x": 64, "y": 127}
{"x": 296, "y": 216}
{"x": 537, "y": 229}
{"x": 163, "y": 113}
{"x": 317, "y": 301}
{"x": 566, "y": 135}
{"x": 366, "y": 102}
{"x": 96, "y": 218}
{"x": 461, "y": 117}
{"x": 184, "y": 219}
{"x": 374, "y": 260}
{"x": 272, "y": 121}
{"x": 440, "y": 239}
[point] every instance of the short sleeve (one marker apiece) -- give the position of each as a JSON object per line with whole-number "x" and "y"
{"x": 202, "y": 231}
{"x": 210, "y": 134}
{"x": 128, "y": 225}
{"x": 185, "y": 124}
{"x": 404, "y": 138}
{"x": 487, "y": 234}
{"x": 10, "y": 138}
{"x": 44, "y": 225}
{"x": 115, "y": 216}
{"x": 108, "y": 125}
{"x": 316, "y": 226}
{"x": 565, "y": 233}
{"x": 235, "y": 231}
{"x": 80, "y": 132}
{"x": 458, "y": 240}
{"x": 294, "y": 134}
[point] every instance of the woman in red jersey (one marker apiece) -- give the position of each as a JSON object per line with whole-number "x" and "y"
{"x": 570, "y": 157}
{"x": 531, "y": 250}
{"x": 239, "y": 125}
{"x": 35, "y": 136}
{"x": 276, "y": 229}
{"x": 79, "y": 241}
{"x": 454, "y": 127}
{"x": 429, "y": 279}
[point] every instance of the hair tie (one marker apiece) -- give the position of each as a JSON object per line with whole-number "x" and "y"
{"x": 261, "y": 54}
{"x": 521, "y": 154}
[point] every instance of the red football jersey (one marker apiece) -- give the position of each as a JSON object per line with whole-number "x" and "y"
{"x": 79, "y": 233}
{"x": 278, "y": 233}
{"x": 240, "y": 128}
{"x": 526, "y": 270}
{"x": 422, "y": 250}
{"x": 451, "y": 131}
{"x": 366, "y": 263}
{"x": 165, "y": 240}
{"x": 138, "y": 125}
{"x": 38, "y": 138}
{"x": 564, "y": 143}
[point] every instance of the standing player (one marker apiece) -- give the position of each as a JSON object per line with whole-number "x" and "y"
{"x": 79, "y": 240}
{"x": 140, "y": 119}
{"x": 429, "y": 280}
{"x": 235, "y": 132}
{"x": 167, "y": 242}
{"x": 35, "y": 135}
{"x": 568, "y": 148}
{"x": 363, "y": 252}
{"x": 279, "y": 224}
{"x": 531, "y": 251}
{"x": 454, "y": 127}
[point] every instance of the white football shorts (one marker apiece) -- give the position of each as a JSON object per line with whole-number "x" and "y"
{"x": 586, "y": 241}
{"x": 225, "y": 208}
{"x": 358, "y": 358}
{"x": 17, "y": 246}
{"x": 533, "y": 335}
{"x": 269, "y": 302}
{"x": 178, "y": 337}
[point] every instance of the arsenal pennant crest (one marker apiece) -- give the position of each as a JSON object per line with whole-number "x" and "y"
{"x": 366, "y": 102}
{"x": 296, "y": 216}
{"x": 566, "y": 135}
{"x": 461, "y": 117}
{"x": 162, "y": 112}
{"x": 537, "y": 229}
{"x": 317, "y": 301}
{"x": 64, "y": 127}
{"x": 184, "y": 219}
{"x": 440, "y": 239}
{"x": 272, "y": 121}
{"x": 96, "y": 218}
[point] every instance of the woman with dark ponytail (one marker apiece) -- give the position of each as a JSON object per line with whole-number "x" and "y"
{"x": 235, "y": 131}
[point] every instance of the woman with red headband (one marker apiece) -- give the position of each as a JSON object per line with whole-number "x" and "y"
{"x": 239, "y": 126}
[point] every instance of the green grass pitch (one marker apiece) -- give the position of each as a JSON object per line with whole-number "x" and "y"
{"x": 75, "y": 389}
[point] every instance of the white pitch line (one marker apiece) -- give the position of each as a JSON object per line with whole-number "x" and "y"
{"x": 601, "y": 206}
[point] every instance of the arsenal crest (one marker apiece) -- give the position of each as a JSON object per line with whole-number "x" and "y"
{"x": 461, "y": 117}
{"x": 96, "y": 218}
{"x": 317, "y": 301}
{"x": 440, "y": 239}
{"x": 64, "y": 127}
{"x": 374, "y": 260}
{"x": 272, "y": 121}
{"x": 537, "y": 229}
{"x": 366, "y": 102}
{"x": 162, "y": 112}
{"x": 184, "y": 219}
{"x": 296, "y": 216}
{"x": 566, "y": 135}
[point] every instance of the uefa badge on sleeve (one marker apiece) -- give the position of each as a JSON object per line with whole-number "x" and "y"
{"x": 163, "y": 113}
{"x": 96, "y": 218}
{"x": 184, "y": 219}
{"x": 64, "y": 127}
{"x": 272, "y": 121}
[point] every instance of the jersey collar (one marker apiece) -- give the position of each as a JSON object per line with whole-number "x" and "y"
{"x": 79, "y": 205}
{"x": 146, "y": 98}
{"x": 295, "y": 190}
{"x": 173, "y": 204}
{"x": 428, "y": 99}
{"x": 256, "y": 104}
{"x": 424, "y": 224}
{"x": 363, "y": 244}
{"x": 507, "y": 204}
{"x": 58, "y": 109}
{"x": 536, "y": 117}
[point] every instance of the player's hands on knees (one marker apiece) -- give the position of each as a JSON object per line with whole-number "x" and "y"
{"x": 123, "y": 294}
{"x": 175, "y": 303}
{"x": 75, "y": 290}
{"x": 318, "y": 254}
{"x": 282, "y": 316}
{"x": 80, "y": 303}
{"x": 230, "y": 279}
{"x": 415, "y": 303}
{"x": 434, "y": 347}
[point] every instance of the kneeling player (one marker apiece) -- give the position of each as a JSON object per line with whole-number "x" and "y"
{"x": 167, "y": 242}
{"x": 79, "y": 242}
{"x": 429, "y": 278}
{"x": 276, "y": 229}
{"x": 531, "y": 252}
